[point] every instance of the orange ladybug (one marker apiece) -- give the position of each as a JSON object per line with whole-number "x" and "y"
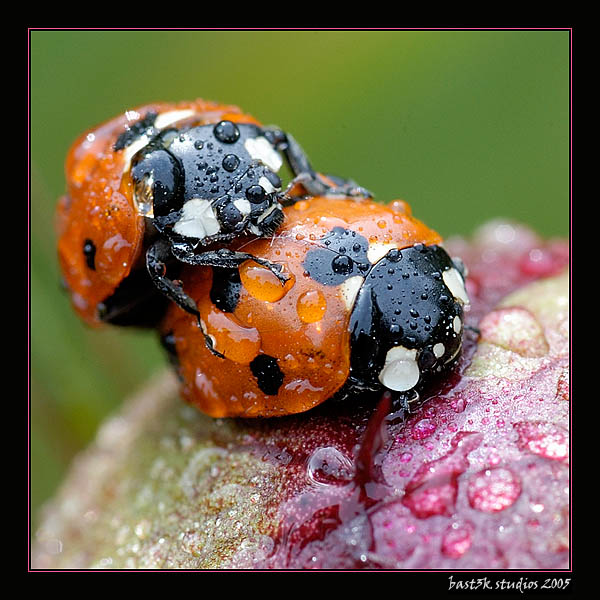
{"x": 371, "y": 302}
{"x": 168, "y": 184}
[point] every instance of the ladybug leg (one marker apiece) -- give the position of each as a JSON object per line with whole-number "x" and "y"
{"x": 223, "y": 258}
{"x": 156, "y": 262}
{"x": 405, "y": 400}
{"x": 314, "y": 183}
{"x": 157, "y": 257}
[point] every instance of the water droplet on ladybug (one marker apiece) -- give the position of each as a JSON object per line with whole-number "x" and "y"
{"x": 342, "y": 265}
{"x": 262, "y": 284}
{"x": 226, "y": 132}
{"x": 255, "y": 193}
{"x": 230, "y": 162}
{"x": 311, "y": 306}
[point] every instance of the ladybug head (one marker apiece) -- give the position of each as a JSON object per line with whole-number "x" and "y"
{"x": 407, "y": 321}
{"x": 406, "y": 308}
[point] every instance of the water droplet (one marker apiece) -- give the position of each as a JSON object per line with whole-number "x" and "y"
{"x": 240, "y": 344}
{"x": 433, "y": 489}
{"x": 457, "y": 540}
{"x": 230, "y": 162}
{"x": 311, "y": 306}
{"x": 406, "y": 457}
{"x": 329, "y": 466}
{"x": 226, "y": 132}
{"x": 543, "y": 439}
{"x": 342, "y": 265}
{"x": 493, "y": 490}
{"x": 423, "y": 429}
{"x": 262, "y": 284}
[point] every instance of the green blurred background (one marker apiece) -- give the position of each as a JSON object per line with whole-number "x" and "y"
{"x": 464, "y": 125}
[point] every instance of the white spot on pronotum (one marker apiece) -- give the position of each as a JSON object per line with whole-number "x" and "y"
{"x": 457, "y": 324}
{"x": 266, "y": 185}
{"x": 132, "y": 149}
{"x": 243, "y": 206}
{"x": 454, "y": 282}
{"x": 401, "y": 371}
{"x": 378, "y": 250}
{"x": 349, "y": 289}
{"x": 259, "y": 148}
{"x": 438, "y": 350}
{"x": 197, "y": 220}
{"x": 161, "y": 121}
{"x": 168, "y": 118}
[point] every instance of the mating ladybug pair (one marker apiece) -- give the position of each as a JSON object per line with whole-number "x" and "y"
{"x": 269, "y": 299}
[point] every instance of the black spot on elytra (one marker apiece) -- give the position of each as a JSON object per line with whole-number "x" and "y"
{"x": 137, "y": 129}
{"x": 89, "y": 252}
{"x": 225, "y": 290}
{"x": 341, "y": 254}
{"x": 268, "y": 374}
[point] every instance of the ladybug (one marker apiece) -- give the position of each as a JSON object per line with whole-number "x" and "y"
{"x": 171, "y": 184}
{"x": 372, "y": 302}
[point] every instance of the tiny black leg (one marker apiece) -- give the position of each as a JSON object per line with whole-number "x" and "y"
{"x": 223, "y": 258}
{"x": 156, "y": 258}
{"x": 315, "y": 183}
{"x": 404, "y": 400}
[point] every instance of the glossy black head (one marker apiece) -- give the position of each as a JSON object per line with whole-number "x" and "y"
{"x": 210, "y": 182}
{"x": 407, "y": 320}
{"x": 157, "y": 179}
